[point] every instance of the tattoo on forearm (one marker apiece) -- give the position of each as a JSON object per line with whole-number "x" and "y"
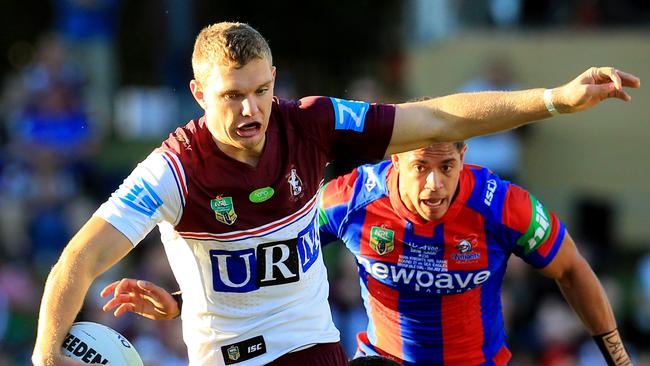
{"x": 616, "y": 350}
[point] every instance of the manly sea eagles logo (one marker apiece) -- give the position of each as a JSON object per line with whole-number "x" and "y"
{"x": 224, "y": 210}
{"x": 233, "y": 353}
{"x": 295, "y": 183}
{"x": 382, "y": 240}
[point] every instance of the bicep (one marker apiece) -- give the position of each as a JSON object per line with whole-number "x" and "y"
{"x": 567, "y": 259}
{"x": 99, "y": 244}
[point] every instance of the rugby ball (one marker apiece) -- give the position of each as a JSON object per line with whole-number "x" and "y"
{"x": 96, "y": 343}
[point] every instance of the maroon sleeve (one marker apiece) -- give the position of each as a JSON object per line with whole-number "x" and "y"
{"x": 315, "y": 118}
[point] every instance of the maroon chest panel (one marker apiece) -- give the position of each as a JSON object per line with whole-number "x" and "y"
{"x": 300, "y": 140}
{"x": 289, "y": 166}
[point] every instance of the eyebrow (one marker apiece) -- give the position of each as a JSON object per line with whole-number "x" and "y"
{"x": 237, "y": 91}
{"x": 424, "y": 162}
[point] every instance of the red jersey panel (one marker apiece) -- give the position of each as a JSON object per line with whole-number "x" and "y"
{"x": 432, "y": 290}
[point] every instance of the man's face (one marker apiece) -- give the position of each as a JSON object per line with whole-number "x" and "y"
{"x": 237, "y": 104}
{"x": 428, "y": 178}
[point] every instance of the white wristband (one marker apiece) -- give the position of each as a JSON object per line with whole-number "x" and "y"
{"x": 549, "y": 103}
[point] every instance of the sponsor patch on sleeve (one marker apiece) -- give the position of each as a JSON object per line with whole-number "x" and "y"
{"x": 349, "y": 114}
{"x": 539, "y": 228}
{"x": 141, "y": 196}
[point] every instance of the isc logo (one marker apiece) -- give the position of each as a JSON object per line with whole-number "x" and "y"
{"x": 255, "y": 347}
{"x": 489, "y": 194}
{"x": 269, "y": 264}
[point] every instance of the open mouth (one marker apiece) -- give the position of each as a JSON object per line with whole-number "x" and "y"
{"x": 249, "y": 129}
{"x": 433, "y": 202}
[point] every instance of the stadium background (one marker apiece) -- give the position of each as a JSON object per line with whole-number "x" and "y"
{"x": 119, "y": 86}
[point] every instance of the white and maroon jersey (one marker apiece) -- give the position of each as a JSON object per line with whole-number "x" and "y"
{"x": 243, "y": 241}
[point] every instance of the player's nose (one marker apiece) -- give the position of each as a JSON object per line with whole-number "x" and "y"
{"x": 433, "y": 181}
{"x": 430, "y": 182}
{"x": 249, "y": 106}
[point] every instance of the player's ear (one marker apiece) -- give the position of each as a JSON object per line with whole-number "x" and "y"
{"x": 462, "y": 154}
{"x": 197, "y": 92}
{"x": 395, "y": 160}
{"x": 273, "y": 82}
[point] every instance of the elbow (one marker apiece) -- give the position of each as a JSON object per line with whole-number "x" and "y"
{"x": 565, "y": 280}
{"x": 570, "y": 274}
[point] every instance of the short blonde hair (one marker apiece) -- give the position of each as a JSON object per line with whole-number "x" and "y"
{"x": 227, "y": 44}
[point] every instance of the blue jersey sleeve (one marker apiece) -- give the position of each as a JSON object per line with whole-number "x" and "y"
{"x": 536, "y": 234}
{"x": 522, "y": 223}
{"x": 333, "y": 207}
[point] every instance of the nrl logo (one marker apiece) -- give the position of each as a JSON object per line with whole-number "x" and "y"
{"x": 224, "y": 210}
{"x": 382, "y": 240}
{"x": 233, "y": 353}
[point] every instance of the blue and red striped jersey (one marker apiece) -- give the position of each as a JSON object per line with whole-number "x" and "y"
{"x": 432, "y": 289}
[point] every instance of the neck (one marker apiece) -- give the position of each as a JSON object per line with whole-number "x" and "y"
{"x": 246, "y": 156}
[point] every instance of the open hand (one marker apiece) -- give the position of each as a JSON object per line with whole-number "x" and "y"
{"x": 140, "y": 297}
{"x": 593, "y": 86}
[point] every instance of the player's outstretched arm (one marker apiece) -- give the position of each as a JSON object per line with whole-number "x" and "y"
{"x": 94, "y": 249}
{"x": 583, "y": 291}
{"x": 140, "y": 297}
{"x": 460, "y": 116}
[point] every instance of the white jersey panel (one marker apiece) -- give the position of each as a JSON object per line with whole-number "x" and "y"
{"x": 267, "y": 282}
{"x": 152, "y": 193}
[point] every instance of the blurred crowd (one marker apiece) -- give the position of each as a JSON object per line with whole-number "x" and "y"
{"x": 63, "y": 105}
